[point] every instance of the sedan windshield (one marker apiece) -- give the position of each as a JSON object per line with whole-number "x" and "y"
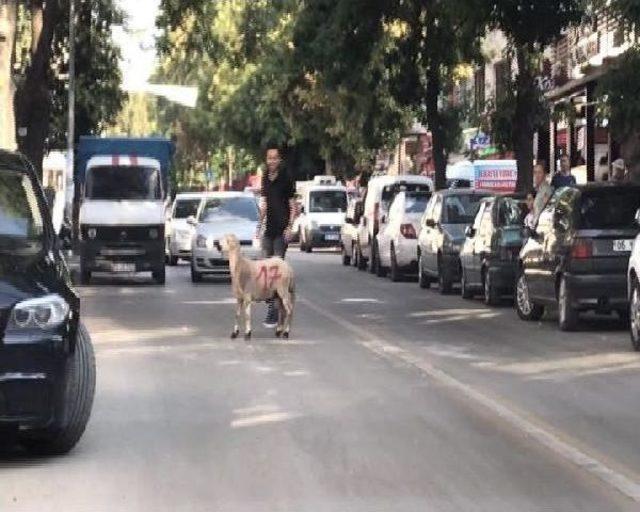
{"x": 328, "y": 201}
{"x": 186, "y": 208}
{"x": 226, "y": 208}
{"x": 460, "y": 209}
{"x": 123, "y": 183}
{"x": 21, "y": 222}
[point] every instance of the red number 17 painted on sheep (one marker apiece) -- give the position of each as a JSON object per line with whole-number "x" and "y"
{"x": 269, "y": 276}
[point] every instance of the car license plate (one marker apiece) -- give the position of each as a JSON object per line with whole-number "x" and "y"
{"x": 123, "y": 267}
{"x": 623, "y": 245}
{"x": 332, "y": 236}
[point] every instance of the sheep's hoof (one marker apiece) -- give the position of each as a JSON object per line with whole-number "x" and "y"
{"x": 278, "y": 333}
{"x": 285, "y": 335}
{"x": 234, "y": 334}
{"x": 247, "y": 336}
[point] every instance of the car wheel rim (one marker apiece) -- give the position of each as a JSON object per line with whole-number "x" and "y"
{"x": 635, "y": 314}
{"x": 522, "y": 295}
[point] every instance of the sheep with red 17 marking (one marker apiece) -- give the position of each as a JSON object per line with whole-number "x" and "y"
{"x": 260, "y": 280}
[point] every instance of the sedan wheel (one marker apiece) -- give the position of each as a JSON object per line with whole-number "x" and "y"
{"x": 423, "y": 279}
{"x": 394, "y": 273}
{"x": 491, "y": 296}
{"x": 526, "y": 309}
{"x": 467, "y": 293}
{"x": 634, "y": 316}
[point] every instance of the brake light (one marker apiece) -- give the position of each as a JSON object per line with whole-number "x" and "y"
{"x": 408, "y": 231}
{"x": 582, "y": 249}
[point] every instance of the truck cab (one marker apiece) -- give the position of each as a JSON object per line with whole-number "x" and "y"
{"x": 122, "y": 212}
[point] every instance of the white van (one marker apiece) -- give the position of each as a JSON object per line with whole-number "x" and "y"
{"x": 177, "y": 231}
{"x": 380, "y": 193}
{"x": 324, "y": 209}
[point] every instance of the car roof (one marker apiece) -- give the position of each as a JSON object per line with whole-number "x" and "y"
{"x": 227, "y": 193}
{"x": 388, "y": 179}
{"x": 465, "y": 192}
{"x": 190, "y": 195}
{"x": 323, "y": 188}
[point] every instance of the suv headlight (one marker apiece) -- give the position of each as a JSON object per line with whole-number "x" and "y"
{"x": 201, "y": 242}
{"x": 46, "y": 312}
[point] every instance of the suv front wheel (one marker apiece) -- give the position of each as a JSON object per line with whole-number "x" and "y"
{"x": 634, "y": 316}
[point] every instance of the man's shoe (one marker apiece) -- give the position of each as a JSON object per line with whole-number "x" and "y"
{"x": 272, "y": 317}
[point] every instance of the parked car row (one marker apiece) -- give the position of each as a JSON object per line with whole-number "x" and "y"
{"x": 579, "y": 256}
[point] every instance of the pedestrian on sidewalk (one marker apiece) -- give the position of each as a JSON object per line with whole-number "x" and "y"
{"x": 543, "y": 190}
{"x": 277, "y": 213}
{"x": 564, "y": 178}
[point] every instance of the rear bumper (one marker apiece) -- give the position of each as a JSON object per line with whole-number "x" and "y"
{"x": 320, "y": 238}
{"x": 598, "y": 291}
{"x": 31, "y": 379}
{"x": 97, "y": 256}
{"x": 407, "y": 253}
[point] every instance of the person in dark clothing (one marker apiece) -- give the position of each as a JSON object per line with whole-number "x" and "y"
{"x": 277, "y": 213}
{"x": 564, "y": 178}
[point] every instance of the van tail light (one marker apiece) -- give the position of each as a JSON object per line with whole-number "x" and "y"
{"x": 408, "y": 231}
{"x": 582, "y": 249}
{"x": 376, "y": 217}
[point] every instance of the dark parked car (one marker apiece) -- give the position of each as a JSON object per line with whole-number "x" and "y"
{"x": 489, "y": 256}
{"x": 47, "y": 366}
{"x": 442, "y": 234}
{"x": 577, "y": 255}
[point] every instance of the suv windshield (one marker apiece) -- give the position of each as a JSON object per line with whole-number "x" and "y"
{"x": 609, "y": 209}
{"x": 327, "y": 201}
{"x": 229, "y": 208}
{"x": 460, "y": 209}
{"x": 186, "y": 208}
{"x": 123, "y": 182}
{"x": 21, "y": 222}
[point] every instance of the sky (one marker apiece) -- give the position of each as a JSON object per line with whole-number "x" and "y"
{"x": 137, "y": 42}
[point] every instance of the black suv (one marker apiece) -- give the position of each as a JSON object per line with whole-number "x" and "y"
{"x": 47, "y": 366}
{"x": 443, "y": 225}
{"x": 577, "y": 255}
{"x": 489, "y": 256}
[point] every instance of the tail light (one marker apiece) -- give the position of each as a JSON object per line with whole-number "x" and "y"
{"x": 408, "y": 231}
{"x": 582, "y": 249}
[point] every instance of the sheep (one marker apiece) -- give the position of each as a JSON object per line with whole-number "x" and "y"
{"x": 260, "y": 280}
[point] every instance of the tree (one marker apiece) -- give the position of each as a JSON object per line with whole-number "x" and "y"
{"x": 8, "y": 19}
{"x": 529, "y": 28}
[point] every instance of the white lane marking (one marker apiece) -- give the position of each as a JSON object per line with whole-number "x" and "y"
{"x": 361, "y": 301}
{"x": 209, "y": 302}
{"x": 543, "y": 434}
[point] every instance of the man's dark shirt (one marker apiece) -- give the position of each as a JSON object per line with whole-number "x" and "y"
{"x": 561, "y": 180}
{"x": 277, "y": 194}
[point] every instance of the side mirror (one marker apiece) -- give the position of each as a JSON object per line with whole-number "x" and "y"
{"x": 470, "y": 232}
{"x": 638, "y": 217}
{"x": 430, "y": 223}
{"x": 191, "y": 220}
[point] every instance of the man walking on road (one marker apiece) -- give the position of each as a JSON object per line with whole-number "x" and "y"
{"x": 277, "y": 213}
{"x": 564, "y": 178}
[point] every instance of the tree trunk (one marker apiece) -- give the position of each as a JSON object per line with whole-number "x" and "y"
{"x": 33, "y": 99}
{"x": 523, "y": 128}
{"x": 8, "y": 13}
{"x": 434, "y": 122}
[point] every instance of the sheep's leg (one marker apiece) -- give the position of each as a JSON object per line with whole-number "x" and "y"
{"x": 247, "y": 318}
{"x": 287, "y": 303}
{"x": 281, "y": 316}
{"x": 236, "y": 326}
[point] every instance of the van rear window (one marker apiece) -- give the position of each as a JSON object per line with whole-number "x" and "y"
{"x": 609, "y": 209}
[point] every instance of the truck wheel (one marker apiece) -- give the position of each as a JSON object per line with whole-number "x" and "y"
{"x": 159, "y": 275}
{"x": 308, "y": 246}
{"x": 75, "y": 405}
{"x": 567, "y": 315}
{"x": 346, "y": 258}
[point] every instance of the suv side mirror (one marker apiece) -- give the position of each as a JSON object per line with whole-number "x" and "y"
{"x": 470, "y": 232}
{"x": 191, "y": 220}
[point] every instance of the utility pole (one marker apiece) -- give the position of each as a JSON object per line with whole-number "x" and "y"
{"x": 70, "y": 181}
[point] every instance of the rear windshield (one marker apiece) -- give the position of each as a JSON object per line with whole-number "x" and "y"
{"x": 390, "y": 192}
{"x": 460, "y": 209}
{"x": 229, "y": 208}
{"x": 512, "y": 212}
{"x": 186, "y": 208}
{"x": 609, "y": 209}
{"x": 416, "y": 203}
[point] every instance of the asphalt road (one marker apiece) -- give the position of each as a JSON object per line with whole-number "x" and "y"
{"x": 387, "y": 398}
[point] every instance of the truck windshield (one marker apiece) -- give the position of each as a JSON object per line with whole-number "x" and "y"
{"x": 327, "y": 201}
{"x": 21, "y": 221}
{"x": 186, "y": 208}
{"x": 225, "y": 208}
{"x": 123, "y": 182}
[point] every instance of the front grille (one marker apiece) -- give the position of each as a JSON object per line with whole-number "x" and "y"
{"x": 329, "y": 229}
{"x": 122, "y": 233}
